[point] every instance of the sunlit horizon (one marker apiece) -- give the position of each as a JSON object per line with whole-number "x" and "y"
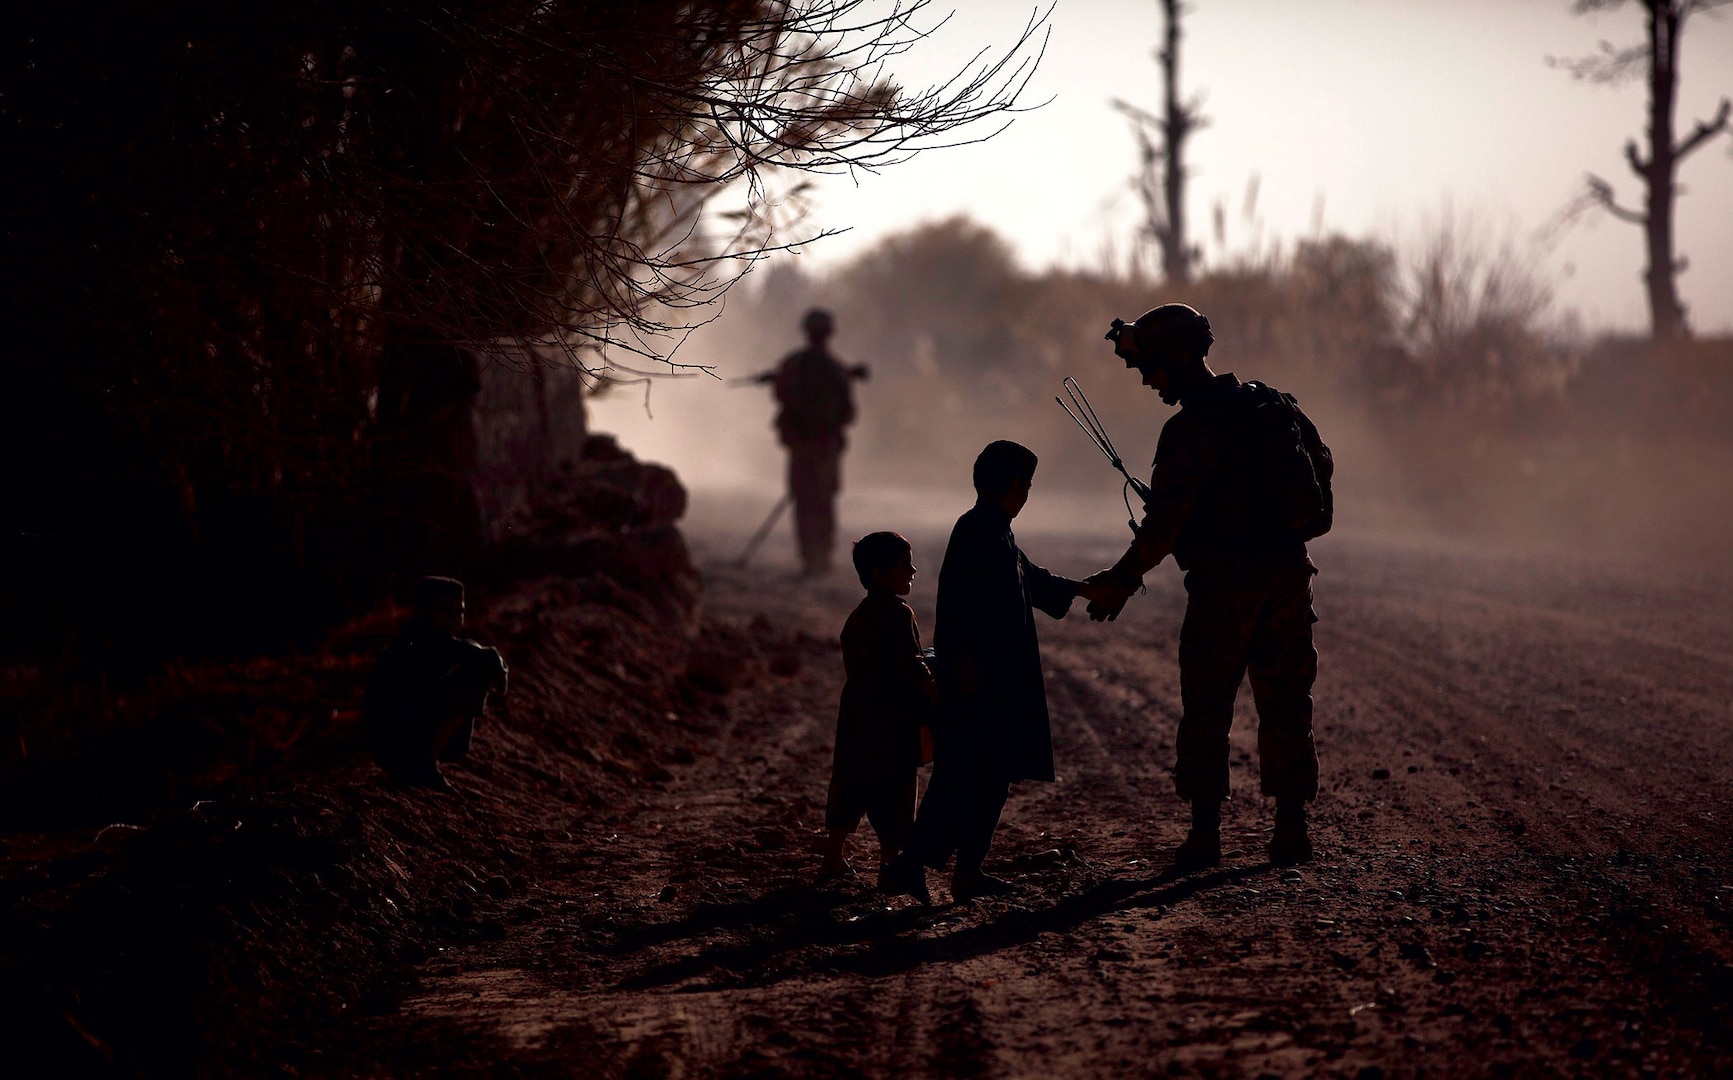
{"x": 1375, "y": 123}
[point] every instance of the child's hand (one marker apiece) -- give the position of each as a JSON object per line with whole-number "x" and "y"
{"x": 929, "y": 684}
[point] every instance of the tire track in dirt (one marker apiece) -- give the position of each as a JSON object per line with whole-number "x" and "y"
{"x": 1570, "y": 731}
{"x": 1566, "y": 775}
{"x": 1429, "y": 933}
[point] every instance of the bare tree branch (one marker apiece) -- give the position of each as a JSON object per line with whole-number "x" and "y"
{"x": 1609, "y": 65}
{"x": 1705, "y": 130}
{"x": 1161, "y": 176}
{"x": 1657, "y": 58}
{"x": 248, "y": 249}
{"x": 1602, "y": 193}
{"x": 1635, "y": 160}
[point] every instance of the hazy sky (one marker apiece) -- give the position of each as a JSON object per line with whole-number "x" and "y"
{"x": 1388, "y": 111}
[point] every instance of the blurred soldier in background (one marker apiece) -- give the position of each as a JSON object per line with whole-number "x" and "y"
{"x": 816, "y": 404}
{"x": 1241, "y": 482}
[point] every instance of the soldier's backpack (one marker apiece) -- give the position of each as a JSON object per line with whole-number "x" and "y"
{"x": 1276, "y": 467}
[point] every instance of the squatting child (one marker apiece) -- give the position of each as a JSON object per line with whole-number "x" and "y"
{"x": 428, "y": 688}
{"x": 885, "y": 701}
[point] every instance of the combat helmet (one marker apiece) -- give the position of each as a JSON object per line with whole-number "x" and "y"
{"x": 1167, "y": 325}
{"x": 818, "y": 321}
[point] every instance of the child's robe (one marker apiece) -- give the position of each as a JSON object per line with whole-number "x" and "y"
{"x": 425, "y": 677}
{"x": 992, "y": 698}
{"x": 886, "y": 697}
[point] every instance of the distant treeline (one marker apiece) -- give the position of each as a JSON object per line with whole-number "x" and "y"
{"x": 1460, "y": 398}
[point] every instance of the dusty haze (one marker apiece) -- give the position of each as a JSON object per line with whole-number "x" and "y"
{"x": 1498, "y": 427}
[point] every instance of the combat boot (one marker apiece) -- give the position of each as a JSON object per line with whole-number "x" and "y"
{"x": 1290, "y": 844}
{"x": 1202, "y": 847}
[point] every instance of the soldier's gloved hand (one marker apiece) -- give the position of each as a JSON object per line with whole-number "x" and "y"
{"x": 1107, "y": 594}
{"x": 1109, "y": 611}
{"x": 1106, "y": 598}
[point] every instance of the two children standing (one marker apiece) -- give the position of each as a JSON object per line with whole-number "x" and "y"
{"x": 984, "y": 694}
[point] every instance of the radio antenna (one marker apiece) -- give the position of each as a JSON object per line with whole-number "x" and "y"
{"x": 1084, "y": 414}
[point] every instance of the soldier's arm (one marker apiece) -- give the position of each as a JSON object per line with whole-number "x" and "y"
{"x": 1173, "y": 489}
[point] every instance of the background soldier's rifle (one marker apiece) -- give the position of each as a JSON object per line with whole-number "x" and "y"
{"x": 763, "y": 378}
{"x": 763, "y": 531}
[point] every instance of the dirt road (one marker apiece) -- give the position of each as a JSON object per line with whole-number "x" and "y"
{"x": 1523, "y": 859}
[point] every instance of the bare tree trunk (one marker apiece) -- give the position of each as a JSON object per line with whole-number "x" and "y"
{"x": 1659, "y": 170}
{"x": 1178, "y": 120}
{"x": 1666, "y": 313}
{"x": 1162, "y": 138}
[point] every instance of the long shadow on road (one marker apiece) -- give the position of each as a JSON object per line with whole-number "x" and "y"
{"x": 783, "y": 922}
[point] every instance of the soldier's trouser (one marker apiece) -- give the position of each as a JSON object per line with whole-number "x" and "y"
{"x": 814, "y": 476}
{"x": 1258, "y": 625}
{"x": 959, "y": 812}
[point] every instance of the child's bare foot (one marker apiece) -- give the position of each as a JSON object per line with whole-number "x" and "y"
{"x": 901, "y": 877}
{"x": 834, "y": 870}
{"x": 835, "y": 866}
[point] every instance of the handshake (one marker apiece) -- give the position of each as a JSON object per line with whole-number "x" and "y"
{"x": 1106, "y": 593}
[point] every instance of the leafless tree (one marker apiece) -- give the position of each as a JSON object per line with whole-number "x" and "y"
{"x": 1161, "y": 176}
{"x": 245, "y": 251}
{"x": 1658, "y": 59}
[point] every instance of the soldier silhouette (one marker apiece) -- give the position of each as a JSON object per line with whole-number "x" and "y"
{"x": 815, "y": 403}
{"x": 1241, "y": 482}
